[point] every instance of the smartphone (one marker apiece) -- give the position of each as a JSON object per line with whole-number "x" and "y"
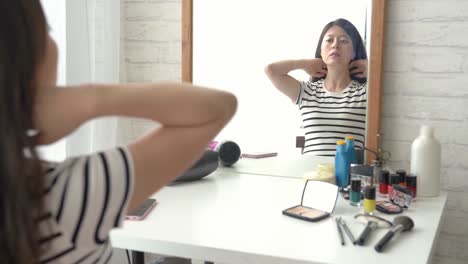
{"x": 140, "y": 213}
{"x": 257, "y": 155}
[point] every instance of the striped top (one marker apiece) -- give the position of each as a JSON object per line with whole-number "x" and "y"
{"x": 85, "y": 197}
{"x": 328, "y": 116}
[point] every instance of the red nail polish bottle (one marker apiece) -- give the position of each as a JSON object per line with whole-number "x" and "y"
{"x": 383, "y": 182}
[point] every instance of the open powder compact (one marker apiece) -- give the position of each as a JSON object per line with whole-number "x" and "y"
{"x": 317, "y": 202}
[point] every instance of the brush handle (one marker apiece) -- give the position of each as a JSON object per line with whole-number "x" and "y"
{"x": 365, "y": 233}
{"x": 388, "y": 236}
{"x": 382, "y": 242}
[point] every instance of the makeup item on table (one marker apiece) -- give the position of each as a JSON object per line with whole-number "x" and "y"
{"x": 400, "y": 224}
{"x": 426, "y": 162}
{"x": 383, "y": 182}
{"x": 394, "y": 180}
{"x": 402, "y": 174}
{"x": 345, "y": 192}
{"x": 355, "y": 192}
{"x": 317, "y": 202}
{"x": 348, "y": 232}
{"x": 369, "y": 199}
{"x": 324, "y": 172}
{"x": 411, "y": 184}
{"x": 340, "y": 232}
{"x": 377, "y": 169}
{"x": 401, "y": 196}
{"x": 350, "y": 150}
{"x": 341, "y": 165}
{"x": 372, "y": 222}
{"x": 388, "y": 207}
{"x": 362, "y": 171}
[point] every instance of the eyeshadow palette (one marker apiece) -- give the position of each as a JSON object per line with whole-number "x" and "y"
{"x": 317, "y": 202}
{"x": 387, "y": 207}
{"x": 306, "y": 213}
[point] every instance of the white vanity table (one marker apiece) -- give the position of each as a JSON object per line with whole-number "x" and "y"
{"x": 232, "y": 216}
{"x": 291, "y": 166}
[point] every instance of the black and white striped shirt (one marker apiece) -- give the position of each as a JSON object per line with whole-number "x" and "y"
{"x": 85, "y": 197}
{"x": 328, "y": 116}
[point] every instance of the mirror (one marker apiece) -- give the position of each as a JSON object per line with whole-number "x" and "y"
{"x": 243, "y": 37}
{"x": 320, "y": 195}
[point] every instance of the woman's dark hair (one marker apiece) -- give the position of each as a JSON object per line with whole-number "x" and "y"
{"x": 23, "y": 32}
{"x": 358, "y": 45}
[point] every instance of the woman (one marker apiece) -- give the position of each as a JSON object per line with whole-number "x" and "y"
{"x": 333, "y": 103}
{"x": 63, "y": 212}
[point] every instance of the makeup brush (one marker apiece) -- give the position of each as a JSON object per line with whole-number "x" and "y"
{"x": 372, "y": 222}
{"x": 401, "y": 224}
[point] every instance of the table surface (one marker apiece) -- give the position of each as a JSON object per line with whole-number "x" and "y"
{"x": 232, "y": 217}
{"x": 281, "y": 166}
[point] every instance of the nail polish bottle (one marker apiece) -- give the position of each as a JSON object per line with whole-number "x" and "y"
{"x": 411, "y": 184}
{"x": 402, "y": 174}
{"x": 355, "y": 193}
{"x": 369, "y": 200}
{"x": 394, "y": 179}
{"x": 383, "y": 182}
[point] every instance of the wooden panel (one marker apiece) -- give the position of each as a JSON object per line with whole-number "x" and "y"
{"x": 374, "y": 100}
{"x": 187, "y": 12}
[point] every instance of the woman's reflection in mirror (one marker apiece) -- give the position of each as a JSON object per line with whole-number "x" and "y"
{"x": 333, "y": 102}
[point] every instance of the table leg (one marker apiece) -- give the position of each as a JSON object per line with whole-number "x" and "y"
{"x": 138, "y": 257}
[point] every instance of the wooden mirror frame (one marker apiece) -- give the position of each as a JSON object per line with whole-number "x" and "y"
{"x": 374, "y": 83}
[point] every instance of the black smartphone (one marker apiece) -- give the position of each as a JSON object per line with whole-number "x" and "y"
{"x": 140, "y": 213}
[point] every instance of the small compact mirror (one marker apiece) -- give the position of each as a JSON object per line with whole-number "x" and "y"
{"x": 317, "y": 202}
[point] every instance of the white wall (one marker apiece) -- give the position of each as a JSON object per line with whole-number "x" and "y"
{"x": 69, "y": 27}
{"x": 425, "y": 81}
{"x": 88, "y": 37}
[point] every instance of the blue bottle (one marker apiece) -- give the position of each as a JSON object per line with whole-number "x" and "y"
{"x": 341, "y": 164}
{"x": 350, "y": 150}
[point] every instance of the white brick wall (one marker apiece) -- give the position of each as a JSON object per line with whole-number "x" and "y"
{"x": 152, "y": 41}
{"x": 425, "y": 82}
{"x": 152, "y": 34}
{"x": 152, "y": 37}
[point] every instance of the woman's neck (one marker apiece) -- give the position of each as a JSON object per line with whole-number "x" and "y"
{"x": 337, "y": 79}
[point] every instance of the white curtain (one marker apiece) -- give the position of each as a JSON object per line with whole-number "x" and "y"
{"x": 55, "y": 11}
{"x": 88, "y": 36}
{"x": 105, "y": 42}
{"x": 94, "y": 54}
